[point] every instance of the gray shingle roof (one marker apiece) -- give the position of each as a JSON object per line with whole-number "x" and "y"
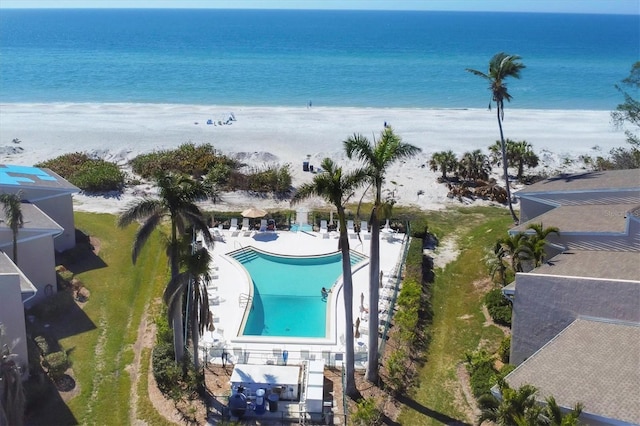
{"x": 593, "y": 362}
{"x": 619, "y": 265}
{"x": 583, "y": 218}
{"x": 587, "y": 181}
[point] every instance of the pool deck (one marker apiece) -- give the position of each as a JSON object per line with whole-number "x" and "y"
{"x": 231, "y": 285}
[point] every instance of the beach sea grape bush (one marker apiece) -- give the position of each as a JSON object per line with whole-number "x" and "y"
{"x": 88, "y": 174}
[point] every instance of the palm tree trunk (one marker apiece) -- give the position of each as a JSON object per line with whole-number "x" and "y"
{"x": 347, "y": 288}
{"x": 374, "y": 294}
{"x": 177, "y": 321}
{"x": 503, "y": 148}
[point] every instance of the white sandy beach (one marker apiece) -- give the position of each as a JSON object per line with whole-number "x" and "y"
{"x": 267, "y": 135}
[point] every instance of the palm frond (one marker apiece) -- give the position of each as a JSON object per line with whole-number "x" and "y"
{"x": 143, "y": 233}
{"x": 139, "y": 211}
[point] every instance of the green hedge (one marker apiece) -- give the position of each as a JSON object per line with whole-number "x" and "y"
{"x": 499, "y": 307}
{"x": 88, "y": 174}
{"x": 56, "y": 364}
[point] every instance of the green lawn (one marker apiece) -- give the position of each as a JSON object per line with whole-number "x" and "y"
{"x": 120, "y": 293}
{"x": 458, "y": 320}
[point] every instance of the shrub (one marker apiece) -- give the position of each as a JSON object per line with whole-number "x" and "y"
{"x": 505, "y": 349}
{"x": 188, "y": 158}
{"x": 499, "y": 307}
{"x": 275, "y": 179}
{"x": 367, "y": 413}
{"x": 88, "y": 174}
{"x": 56, "y": 364}
{"x": 42, "y": 344}
{"x": 397, "y": 370}
{"x": 482, "y": 372}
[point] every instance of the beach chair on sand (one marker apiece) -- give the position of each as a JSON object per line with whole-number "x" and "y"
{"x": 351, "y": 230}
{"x": 364, "y": 230}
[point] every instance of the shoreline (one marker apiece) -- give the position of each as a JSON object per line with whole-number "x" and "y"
{"x": 262, "y": 136}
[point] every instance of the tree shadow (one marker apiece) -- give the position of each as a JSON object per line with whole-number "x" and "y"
{"x": 436, "y": 415}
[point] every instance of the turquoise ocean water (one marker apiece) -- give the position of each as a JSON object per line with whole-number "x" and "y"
{"x": 331, "y": 58}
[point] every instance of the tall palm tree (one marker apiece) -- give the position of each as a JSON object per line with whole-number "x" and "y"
{"x": 12, "y": 207}
{"x": 193, "y": 281}
{"x": 501, "y": 66}
{"x": 336, "y": 188}
{"x": 444, "y": 161}
{"x": 377, "y": 157}
{"x": 177, "y": 195}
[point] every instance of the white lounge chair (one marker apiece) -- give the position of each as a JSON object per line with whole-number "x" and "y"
{"x": 246, "y": 229}
{"x": 263, "y": 225}
{"x": 233, "y": 229}
{"x": 324, "y": 229}
{"x": 351, "y": 229}
{"x": 364, "y": 230}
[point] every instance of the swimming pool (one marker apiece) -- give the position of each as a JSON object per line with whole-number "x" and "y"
{"x": 287, "y": 299}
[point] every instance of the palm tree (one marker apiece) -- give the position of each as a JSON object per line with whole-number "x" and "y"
{"x": 519, "y": 154}
{"x": 192, "y": 281}
{"x": 176, "y": 201}
{"x": 337, "y": 187}
{"x": 474, "y": 165}
{"x": 444, "y": 161}
{"x": 377, "y": 157}
{"x": 537, "y": 242}
{"x": 554, "y": 416}
{"x": 517, "y": 248}
{"x": 496, "y": 263}
{"x": 11, "y": 205}
{"x": 501, "y": 66}
{"x": 517, "y": 406}
{"x": 12, "y": 398}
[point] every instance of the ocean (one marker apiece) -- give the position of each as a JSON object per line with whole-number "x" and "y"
{"x": 326, "y": 58}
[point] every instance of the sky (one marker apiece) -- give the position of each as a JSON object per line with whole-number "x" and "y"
{"x": 628, "y": 7}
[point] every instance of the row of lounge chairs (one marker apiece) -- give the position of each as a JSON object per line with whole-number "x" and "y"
{"x": 234, "y": 230}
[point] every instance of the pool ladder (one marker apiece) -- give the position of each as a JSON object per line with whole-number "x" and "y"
{"x": 244, "y": 300}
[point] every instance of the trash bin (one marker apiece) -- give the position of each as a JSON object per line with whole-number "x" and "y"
{"x": 273, "y": 403}
{"x": 311, "y": 168}
{"x": 260, "y": 403}
{"x": 305, "y": 166}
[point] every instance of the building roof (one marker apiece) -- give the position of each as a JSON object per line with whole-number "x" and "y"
{"x": 600, "y": 218}
{"x": 25, "y": 177}
{"x": 8, "y": 267}
{"x": 34, "y": 220}
{"x": 617, "y": 265}
{"x": 586, "y": 182}
{"x": 593, "y": 362}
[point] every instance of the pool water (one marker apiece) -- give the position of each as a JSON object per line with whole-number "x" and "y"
{"x": 287, "y": 299}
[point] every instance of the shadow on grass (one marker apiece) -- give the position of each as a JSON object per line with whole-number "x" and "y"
{"x": 82, "y": 257}
{"x": 426, "y": 411}
{"x": 46, "y": 406}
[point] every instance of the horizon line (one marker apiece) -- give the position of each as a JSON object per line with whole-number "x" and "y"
{"x": 316, "y": 10}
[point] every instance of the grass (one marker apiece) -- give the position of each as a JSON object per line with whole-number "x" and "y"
{"x": 120, "y": 293}
{"x": 458, "y": 319}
